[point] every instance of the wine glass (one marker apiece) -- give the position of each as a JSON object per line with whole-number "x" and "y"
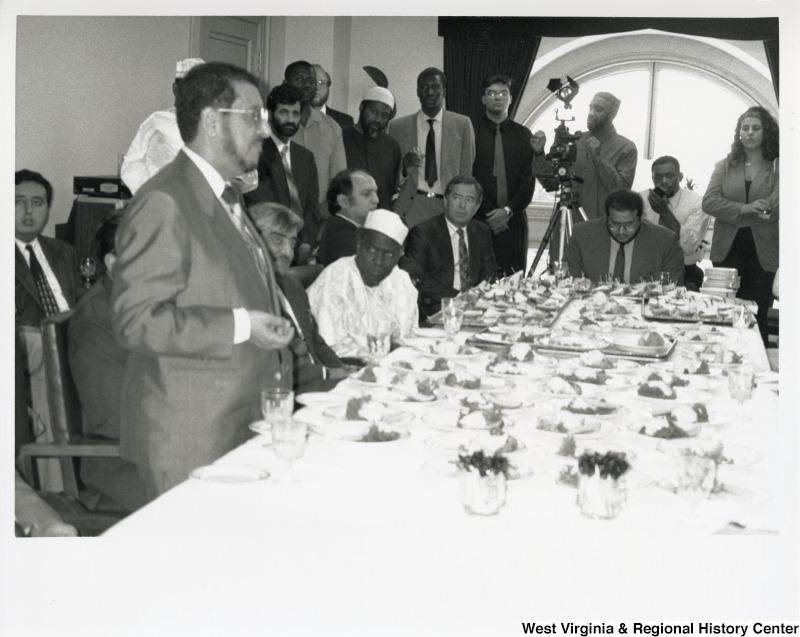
{"x": 452, "y": 317}
{"x": 560, "y": 271}
{"x": 741, "y": 321}
{"x": 288, "y": 434}
{"x": 88, "y": 268}
{"x": 740, "y": 386}
{"x": 379, "y": 339}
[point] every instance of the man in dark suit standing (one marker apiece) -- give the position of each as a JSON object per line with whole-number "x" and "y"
{"x": 623, "y": 245}
{"x": 503, "y": 166}
{"x": 194, "y": 296}
{"x": 287, "y": 172}
{"x": 451, "y": 252}
{"x": 320, "y": 99}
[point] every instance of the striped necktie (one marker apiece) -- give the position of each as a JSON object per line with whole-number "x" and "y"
{"x": 230, "y": 197}
{"x": 463, "y": 260}
{"x": 294, "y": 196}
{"x": 42, "y": 284}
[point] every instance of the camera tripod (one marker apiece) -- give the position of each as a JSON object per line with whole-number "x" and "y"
{"x": 567, "y": 205}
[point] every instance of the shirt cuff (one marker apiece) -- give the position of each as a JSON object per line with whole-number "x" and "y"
{"x": 241, "y": 325}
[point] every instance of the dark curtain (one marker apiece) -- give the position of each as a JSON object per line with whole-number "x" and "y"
{"x": 771, "y": 47}
{"x": 478, "y": 53}
{"x": 469, "y": 43}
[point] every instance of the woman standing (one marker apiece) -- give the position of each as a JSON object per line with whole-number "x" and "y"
{"x": 742, "y": 195}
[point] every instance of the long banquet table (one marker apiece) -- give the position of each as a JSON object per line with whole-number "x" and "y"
{"x": 355, "y": 524}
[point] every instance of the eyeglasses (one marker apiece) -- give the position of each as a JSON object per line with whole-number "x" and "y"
{"x": 258, "y": 114}
{"x": 497, "y": 93}
{"x": 630, "y": 226}
{"x": 323, "y": 83}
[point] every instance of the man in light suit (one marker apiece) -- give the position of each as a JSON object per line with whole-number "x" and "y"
{"x": 194, "y": 296}
{"x": 283, "y": 106}
{"x": 624, "y": 245}
{"x": 436, "y": 145}
{"x": 434, "y": 251}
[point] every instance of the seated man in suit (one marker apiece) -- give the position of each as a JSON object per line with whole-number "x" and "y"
{"x": 287, "y": 172}
{"x": 624, "y": 245}
{"x": 366, "y": 293}
{"x": 98, "y": 368}
{"x": 316, "y": 366}
{"x": 351, "y": 195}
{"x": 436, "y": 146}
{"x": 46, "y": 282}
{"x": 450, "y": 252}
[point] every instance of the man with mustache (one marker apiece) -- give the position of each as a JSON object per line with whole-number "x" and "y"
{"x": 606, "y": 161}
{"x": 623, "y": 245}
{"x": 369, "y": 148}
{"x": 287, "y": 172}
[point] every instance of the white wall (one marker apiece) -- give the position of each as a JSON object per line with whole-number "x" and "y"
{"x": 84, "y": 84}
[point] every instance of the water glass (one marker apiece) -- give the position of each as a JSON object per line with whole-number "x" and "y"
{"x": 665, "y": 278}
{"x": 696, "y": 476}
{"x": 601, "y": 498}
{"x": 452, "y": 316}
{"x": 560, "y": 270}
{"x": 379, "y": 339}
{"x": 277, "y": 404}
{"x": 740, "y": 385}
{"x": 88, "y": 268}
{"x": 289, "y": 438}
{"x": 482, "y": 495}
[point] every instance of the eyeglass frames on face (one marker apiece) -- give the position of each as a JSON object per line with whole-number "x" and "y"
{"x": 258, "y": 114}
{"x": 629, "y": 226}
{"x": 496, "y": 93}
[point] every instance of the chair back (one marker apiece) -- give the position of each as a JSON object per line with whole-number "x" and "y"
{"x": 62, "y": 396}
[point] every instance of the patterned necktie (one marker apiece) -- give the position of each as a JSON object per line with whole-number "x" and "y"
{"x": 431, "y": 174}
{"x": 619, "y": 264}
{"x": 463, "y": 260}
{"x": 230, "y": 197}
{"x": 42, "y": 284}
{"x": 294, "y": 196}
{"x": 499, "y": 169}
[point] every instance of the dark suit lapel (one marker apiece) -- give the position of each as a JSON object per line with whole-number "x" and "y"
{"x": 60, "y": 266}
{"x": 475, "y": 253}
{"x": 23, "y": 274}
{"x": 442, "y": 240}
{"x": 280, "y": 183}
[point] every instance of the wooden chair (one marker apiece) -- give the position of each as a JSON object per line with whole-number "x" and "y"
{"x": 65, "y": 416}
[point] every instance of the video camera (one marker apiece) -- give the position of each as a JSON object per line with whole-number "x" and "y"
{"x": 564, "y": 152}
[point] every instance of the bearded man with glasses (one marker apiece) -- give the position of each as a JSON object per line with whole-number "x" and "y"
{"x": 624, "y": 246}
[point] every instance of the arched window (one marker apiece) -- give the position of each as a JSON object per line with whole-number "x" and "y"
{"x": 680, "y": 96}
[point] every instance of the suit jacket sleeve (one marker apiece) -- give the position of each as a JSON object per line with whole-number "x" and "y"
{"x": 715, "y": 203}
{"x": 152, "y": 269}
{"x": 489, "y": 266}
{"x": 308, "y": 232}
{"x": 620, "y": 174}
{"x": 421, "y": 264}
{"x": 467, "y": 148}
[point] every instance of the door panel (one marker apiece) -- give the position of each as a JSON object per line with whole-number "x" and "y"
{"x": 236, "y": 40}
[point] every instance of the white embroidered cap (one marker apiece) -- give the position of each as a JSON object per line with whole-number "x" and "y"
{"x": 388, "y": 223}
{"x": 184, "y": 66}
{"x": 379, "y": 94}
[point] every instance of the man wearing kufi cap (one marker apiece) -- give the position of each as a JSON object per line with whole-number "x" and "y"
{"x": 369, "y": 148}
{"x": 158, "y": 140}
{"x": 606, "y": 161}
{"x": 366, "y": 293}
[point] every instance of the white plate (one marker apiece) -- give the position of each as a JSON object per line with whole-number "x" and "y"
{"x": 629, "y": 344}
{"x": 355, "y": 430}
{"x": 430, "y": 332}
{"x": 733, "y": 456}
{"x": 636, "y": 425}
{"x": 683, "y": 395}
{"x": 321, "y": 398}
{"x": 261, "y": 427}
{"x": 570, "y": 343}
{"x": 725, "y": 493}
{"x": 573, "y": 426}
{"x": 594, "y": 402}
{"x": 452, "y": 441}
{"x": 229, "y": 473}
{"x": 336, "y": 414}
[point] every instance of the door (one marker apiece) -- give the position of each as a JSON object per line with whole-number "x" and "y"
{"x": 237, "y": 40}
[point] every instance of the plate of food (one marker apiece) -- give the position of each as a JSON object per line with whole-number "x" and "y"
{"x": 376, "y": 375}
{"x": 359, "y": 431}
{"x": 569, "y": 343}
{"x": 447, "y": 348}
{"x": 592, "y": 376}
{"x": 563, "y": 424}
{"x": 503, "y": 368}
{"x": 435, "y": 367}
{"x": 460, "y": 380}
{"x": 723, "y": 453}
{"x": 358, "y": 411}
{"x": 598, "y": 360}
{"x": 456, "y": 417}
{"x": 484, "y": 399}
{"x": 659, "y": 426}
{"x": 490, "y": 443}
{"x": 596, "y": 407}
{"x": 651, "y": 344}
{"x": 656, "y": 391}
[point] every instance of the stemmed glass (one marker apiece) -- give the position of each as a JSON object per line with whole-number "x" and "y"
{"x": 379, "y": 339}
{"x": 88, "y": 268}
{"x": 741, "y": 321}
{"x": 740, "y": 386}
{"x": 560, "y": 271}
{"x": 452, "y": 317}
{"x": 288, "y": 434}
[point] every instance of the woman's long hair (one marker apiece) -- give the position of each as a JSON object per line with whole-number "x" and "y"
{"x": 770, "y": 138}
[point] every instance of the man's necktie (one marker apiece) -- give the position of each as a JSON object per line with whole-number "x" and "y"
{"x": 499, "y": 169}
{"x": 431, "y": 174}
{"x": 619, "y": 264}
{"x": 294, "y": 196}
{"x": 463, "y": 260}
{"x": 230, "y": 197}
{"x": 42, "y": 284}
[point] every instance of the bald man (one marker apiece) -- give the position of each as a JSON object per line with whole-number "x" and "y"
{"x": 606, "y": 161}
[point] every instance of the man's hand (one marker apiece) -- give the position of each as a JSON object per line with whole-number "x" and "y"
{"x": 268, "y": 331}
{"x": 592, "y": 146}
{"x": 755, "y": 210}
{"x": 657, "y": 202}
{"x": 303, "y": 252}
{"x": 497, "y": 220}
{"x": 538, "y": 142}
{"x": 412, "y": 159}
{"x": 340, "y": 372}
